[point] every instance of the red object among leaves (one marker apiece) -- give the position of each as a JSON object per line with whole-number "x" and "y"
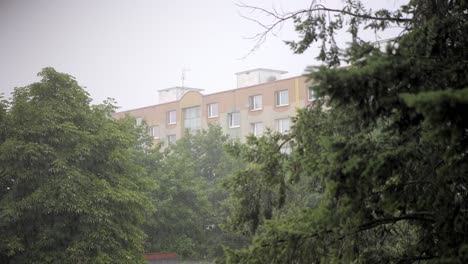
{"x": 160, "y": 255}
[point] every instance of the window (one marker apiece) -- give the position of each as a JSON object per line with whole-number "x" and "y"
{"x": 171, "y": 117}
{"x": 139, "y": 121}
{"x": 155, "y": 131}
{"x": 171, "y": 139}
{"x": 257, "y": 128}
{"x": 255, "y": 102}
{"x": 281, "y": 98}
{"x": 286, "y": 148}
{"x": 311, "y": 93}
{"x": 192, "y": 118}
{"x": 234, "y": 119}
{"x": 282, "y": 125}
{"x": 212, "y": 110}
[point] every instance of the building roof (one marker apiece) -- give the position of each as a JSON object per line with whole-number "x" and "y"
{"x": 180, "y": 87}
{"x": 213, "y": 93}
{"x": 261, "y": 69}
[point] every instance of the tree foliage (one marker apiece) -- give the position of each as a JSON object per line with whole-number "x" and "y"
{"x": 189, "y": 197}
{"x": 385, "y": 149}
{"x": 259, "y": 187}
{"x": 70, "y": 189}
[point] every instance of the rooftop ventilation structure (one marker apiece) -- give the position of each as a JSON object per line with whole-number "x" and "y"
{"x": 174, "y": 93}
{"x": 258, "y": 76}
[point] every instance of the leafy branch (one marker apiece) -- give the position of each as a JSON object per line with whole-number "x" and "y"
{"x": 420, "y": 216}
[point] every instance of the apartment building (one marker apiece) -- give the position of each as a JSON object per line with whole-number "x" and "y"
{"x": 261, "y": 100}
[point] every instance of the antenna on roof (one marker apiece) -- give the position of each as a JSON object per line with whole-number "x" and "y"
{"x": 183, "y": 75}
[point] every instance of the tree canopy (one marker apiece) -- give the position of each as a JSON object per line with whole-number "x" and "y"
{"x": 190, "y": 197}
{"x": 384, "y": 147}
{"x": 71, "y": 191}
{"x": 375, "y": 171}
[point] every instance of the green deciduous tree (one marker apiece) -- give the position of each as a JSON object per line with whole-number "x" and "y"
{"x": 70, "y": 189}
{"x": 189, "y": 197}
{"x": 259, "y": 187}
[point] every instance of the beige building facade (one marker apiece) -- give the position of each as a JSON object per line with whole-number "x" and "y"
{"x": 245, "y": 110}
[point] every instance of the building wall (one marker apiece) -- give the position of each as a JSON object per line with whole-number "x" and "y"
{"x": 236, "y": 100}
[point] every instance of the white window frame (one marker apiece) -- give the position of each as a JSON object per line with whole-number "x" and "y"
{"x": 155, "y": 132}
{"x": 255, "y": 102}
{"x": 286, "y": 149}
{"x": 280, "y": 125}
{"x": 279, "y": 97}
{"x": 255, "y": 128}
{"x": 311, "y": 93}
{"x": 171, "y": 139}
{"x": 231, "y": 120}
{"x": 193, "y": 123}
{"x": 138, "y": 121}
{"x": 171, "y": 117}
{"x": 210, "y": 108}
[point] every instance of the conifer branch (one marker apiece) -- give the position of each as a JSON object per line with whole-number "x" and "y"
{"x": 421, "y": 216}
{"x": 280, "y": 18}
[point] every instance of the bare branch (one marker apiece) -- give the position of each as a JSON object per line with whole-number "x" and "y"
{"x": 313, "y": 10}
{"x": 255, "y": 21}
{"x": 263, "y": 10}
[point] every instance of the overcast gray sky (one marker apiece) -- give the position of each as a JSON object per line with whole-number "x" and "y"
{"x": 128, "y": 50}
